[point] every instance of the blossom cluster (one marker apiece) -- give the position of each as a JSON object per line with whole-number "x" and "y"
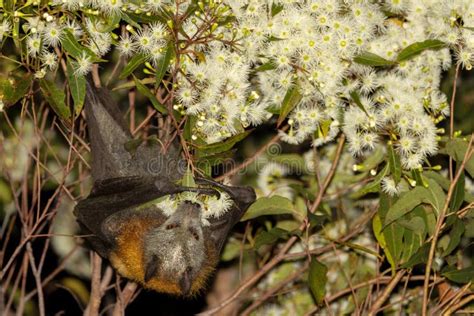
{"x": 211, "y": 206}
{"x": 236, "y": 63}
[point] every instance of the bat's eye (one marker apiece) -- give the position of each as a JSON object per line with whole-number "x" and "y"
{"x": 171, "y": 226}
{"x": 194, "y": 233}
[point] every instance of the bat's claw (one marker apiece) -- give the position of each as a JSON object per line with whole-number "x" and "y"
{"x": 206, "y": 191}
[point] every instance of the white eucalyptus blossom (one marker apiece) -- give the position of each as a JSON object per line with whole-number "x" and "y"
{"x": 5, "y": 28}
{"x": 49, "y": 59}
{"x": 83, "y": 64}
{"x": 34, "y": 44}
{"x": 52, "y": 34}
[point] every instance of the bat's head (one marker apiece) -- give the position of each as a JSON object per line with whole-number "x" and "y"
{"x": 177, "y": 254}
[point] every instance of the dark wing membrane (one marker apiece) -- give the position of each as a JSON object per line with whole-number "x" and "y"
{"x": 111, "y": 196}
{"x": 220, "y": 227}
{"x": 108, "y": 134}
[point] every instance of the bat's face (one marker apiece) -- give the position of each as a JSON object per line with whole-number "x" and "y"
{"x": 172, "y": 256}
{"x": 176, "y": 251}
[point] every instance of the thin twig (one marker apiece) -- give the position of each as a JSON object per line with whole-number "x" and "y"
{"x": 37, "y": 277}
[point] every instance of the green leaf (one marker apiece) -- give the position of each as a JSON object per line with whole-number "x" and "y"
{"x": 458, "y": 194}
{"x": 356, "y": 98}
{"x": 421, "y": 256}
{"x": 291, "y": 100}
{"x": 75, "y": 49}
{"x": 136, "y": 61}
{"x": 126, "y": 17}
{"x": 444, "y": 183}
{"x": 455, "y": 235}
{"x": 416, "y": 224}
{"x": 55, "y": 98}
{"x": 371, "y": 59}
{"x": 112, "y": 22}
{"x": 274, "y": 205}
{"x": 135, "y": 19}
{"x": 393, "y": 234}
{"x": 13, "y": 89}
{"x": 436, "y": 196}
{"x": 219, "y": 147}
{"x": 266, "y": 66}
{"x": 163, "y": 64}
{"x": 146, "y": 92}
{"x": 269, "y": 237}
{"x": 465, "y": 275}
{"x": 215, "y": 160}
{"x": 277, "y": 8}
{"x": 317, "y": 279}
{"x": 77, "y": 86}
{"x": 377, "y": 229}
{"x": 415, "y": 232}
{"x": 411, "y": 243}
{"x": 456, "y": 148}
{"x": 395, "y": 164}
{"x": 418, "y": 47}
{"x": 406, "y": 203}
{"x": 188, "y": 179}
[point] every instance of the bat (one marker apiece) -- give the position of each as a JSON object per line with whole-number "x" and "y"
{"x": 173, "y": 254}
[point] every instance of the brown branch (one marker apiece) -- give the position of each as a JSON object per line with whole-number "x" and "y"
{"x": 124, "y": 298}
{"x": 92, "y": 308}
{"x": 386, "y": 293}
